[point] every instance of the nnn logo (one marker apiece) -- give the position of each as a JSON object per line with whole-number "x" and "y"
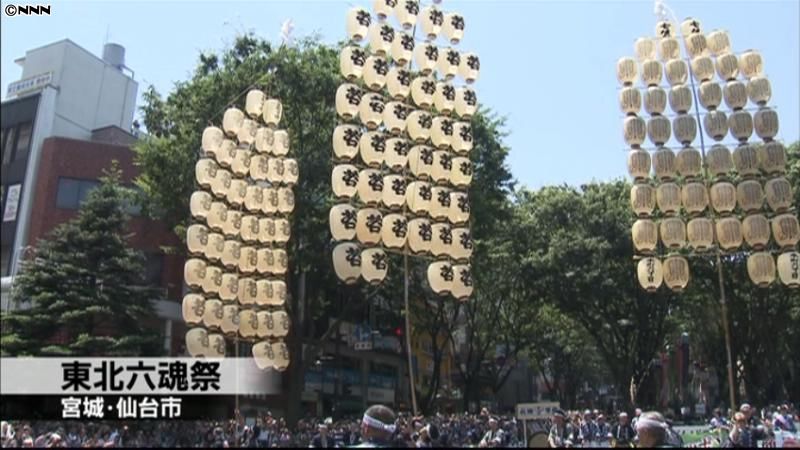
{"x": 27, "y": 10}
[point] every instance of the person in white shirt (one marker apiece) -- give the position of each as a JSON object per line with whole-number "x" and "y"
{"x": 493, "y": 437}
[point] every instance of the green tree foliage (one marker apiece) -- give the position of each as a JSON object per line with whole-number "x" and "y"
{"x": 83, "y": 293}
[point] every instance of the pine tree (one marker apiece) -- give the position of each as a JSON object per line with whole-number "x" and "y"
{"x": 84, "y": 289}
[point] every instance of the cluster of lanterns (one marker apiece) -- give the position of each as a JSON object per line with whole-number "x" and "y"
{"x": 401, "y": 149}
{"x": 237, "y": 241}
{"x": 684, "y": 206}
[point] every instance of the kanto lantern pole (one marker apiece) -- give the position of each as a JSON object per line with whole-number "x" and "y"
{"x": 408, "y": 333}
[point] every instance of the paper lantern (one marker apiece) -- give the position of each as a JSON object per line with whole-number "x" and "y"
{"x": 272, "y": 112}
{"x": 432, "y": 20}
{"x": 703, "y": 68}
{"x": 425, "y": 57}
{"x": 279, "y": 290}
{"x": 193, "y": 309}
{"x": 469, "y": 67}
{"x": 755, "y": 229}
{"x": 761, "y": 268}
{"x": 779, "y": 194}
{"x": 418, "y": 124}
{"x": 700, "y": 233}
{"x": 466, "y": 103}
{"x": 786, "y": 230}
{"x": 745, "y": 159}
{"x": 630, "y": 100}
{"x": 680, "y": 98}
{"x": 453, "y": 27}
{"x": 444, "y": 98}
{"x": 684, "y": 128}
{"x": 344, "y": 181}
{"x": 383, "y": 8}
{"x": 688, "y": 163}
{"x": 459, "y": 208}
{"x": 462, "y": 282}
{"x": 370, "y": 186}
{"x": 690, "y": 26}
{"x": 348, "y": 99}
{"x": 652, "y": 72}
{"x": 719, "y": 160}
{"x": 461, "y": 249}
{"x": 229, "y": 289}
{"x": 351, "y": 63}
{"x": 237, "y": 192}
{"x": 394, "y": 231}
{"x": 253, "y": 198}
{"x": 645, "y": 236}
{"x": 729, "y": 233}
{"x": 461, "y": 172}
{"x": 422, "y": 90}
{"x": 750, "y": 196}
{"x": 673, "y": 233}
{"x": 406, "y": 12}
{"x": 205, "y": 172}
{"x": 216, "y": 346}
{"x": 634, "y": 131}
{"x": 418, "y": 197}
{"x": 402, "y": 48}
{"x": 664, "y": 164}
{"x": 716, "y": 125}
{"x": 723, "y": 197}
{"x": 231, "y": 254}
{"x": 645, "y": 48}
{"x": 197, "y": 342}
{"x": 394, "y": 117}
{"x": 759, "y": 90}
{"x": 398, "y": 83}
{"x": 650, "y": 273}
{"x": 643, "y": 199}
{"x": 259, "y": 167}
{"x": 345, "y": 141}
{"x": 441, "y": 132}
{"x": 283, "y": 231}
{"x": 420, "y": 161}
{"x": 226, "y": 153}
{"x": 442, "y": 166}
{"x": 376, "y": 68}
{"x": 266, "y": 261}
{"x": 462, "y": 137}
{"x": 394, "y": 191}
{"x": 213, "y": 314}
{"x": 381, "y": 36}
{"x": 230, "y": 320}
{"x": 358, "y": 21}
{"x": 441, "y": 277}
{"x": 696, "y": 45}
{"x": 281, "y": 262}
{"x": 719, "y": 42}
{"x": 740, "y": 124}
{"x": 291, "y": 172}
{"x": 669, "y": 49}
{"x": 789, "y": 269}
{"x": 735, "y": 95}
{"x": 368, "y": 226}
{"x": 448, "y": 63}
{"x": 772, "y": 157}
{"x": 240, "y": 166}
{"x": 249, "y": 229}
{"x": 221, "y": 183}
{"x": 627, "y": 70}
{"x": 766, "y": 124}
{"x": 285, "y": 200}
{"x": 751, "y": 64}
{"x": 374, "y": 265}
{"x": 727, "y": 66}
{"x": 264, "y": 140}
{"x": 248, "y": 291}
{"x": 659, "y": 130}
{"x": 372, "y": 146}
{"x": 266, "y": 230}
{"x": 677, "y": 72}
{"x": 212, "y": 140}
{"x": 215, "y": 246}
{"x": 370, "y": 110}
{"x": 710, "y": 94}
{"x": 396, "y": 155}
{"x": 420, "y": 235}
{"x": 270, "y": 205}
{"x": 217, "y": 215}
{"x": 639, "y": 164}
{"x": 668, "y": 198}
{"x": 695, "y": 198}
{"x": 263, "y": 355}
{"x": 248, "y": 323}
{"x": 254, "y": 102}
{"x": 232, "y": 120}
{"x": 247, "y": 132}
{"x": 655, "y": 100}
{"x": 342, "y": 220}
{"x": 442, "y": 239}
{"x": 676, "y": 273}
{"x": 282, "y": 359}
{"x": 233, "y": 222}
{"x": 200, "y": 204}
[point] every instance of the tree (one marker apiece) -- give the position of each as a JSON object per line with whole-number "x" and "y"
{"x": 84, "y": 286}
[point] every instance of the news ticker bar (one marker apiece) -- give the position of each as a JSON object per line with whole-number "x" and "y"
{"x": 135, "y": 376}
{"x": 117, "y": 407}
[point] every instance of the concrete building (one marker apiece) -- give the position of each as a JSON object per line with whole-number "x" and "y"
{"x": 63, "y": 123}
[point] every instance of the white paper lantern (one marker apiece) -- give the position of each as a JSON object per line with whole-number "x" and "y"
{"x": 761, "y": 268}
{"x": 381, "y": 36}
{"x": 394, "y": 192}
{"x": 462, "y": 245}
{"x": 634, "y": 131}
{"x": 442, "y": 132}
{"x": 344, "y": 181}
{"x": 418, "y": 124}
{"x": 398, "y": 83}
{"x": 442, "y": 166}
{"x": 285, "y": 200}
{"x": 247, "y": 132}
{"x": 440, "y": 202}
{"x": 376, "y": 69}
{"x": 723, "y": 197}
{"x": 673, "y": 233}
{"x": 645, "y": 236}
{"x": 240, "y": 166}
{"x": 750, "y": 196}
{"x": 716, "y": 125}
{"x": 197, "y": 342}
{"x": 676, "y": 273}
{"x": 469, "y": 67}
{"x": 282, "y": 359}
{"x": 719, "y": 42}
{"x": 402, "y": 48}
{"x": 394, "y": 117}
{"x": 264, "y": 140}
{"x": 664, "y": 164}
{"x": 281, "y": 262}
{"x": 668, "y": 198}
{"x": 700, "y": 233}
{"x": 677, "y": 72}
{"x": 422, "y": 90}
{"x": 259, "y": 167}
{"x": 254, "y": 102}
{"x": 441, "y": 277}
{"x": 696, "y": 45}
{"x": 342, "y": 219}
{"x": 281, "y": 325}
{"x": 217, "y": 216}
{"x": 374, "y": 265}
{"x": 779, "y": 194}
{"x": 462, "y": 140}
{"x": 703, "y": 68}
{"x": 232, "y": 224}
{"x": 710, "y": 94}
{"x": 735, "y": 95}
{"x": 216, "y": 346}
{"x": 442, "y": 239}
{"x": 291, "y": 171}
{"x": 272, "y": 112}
{"x": 727, "y": 66}
{"x": 680, "y": 98}
{"x": 444, "y": 98}
{"x": 283, "y": 231}
{"x": 266, "y": 261}
{"x": 266, "y": 230}
{"x": 669, "y": 49}
{"x": 630, "y": 100}
{"x": 197, "y": 239}
{"x": 419, "y": 235}
{"x": 659, "y": 130}
{"x": 745, "y": 159}
{"x": 212, "y": 140}
{"x": 729, "y": 233}
{"x": 786, "y": 230}
{"x": 348, "y": 99}
{"x": 406, "y": 12}
{"x": 690, "y": 26}
{"x": 394, "y": 231}
{"x": 213, "y": 315}
{"x": 652, "y": 72}
{"x": 466, "y": 102}
{"x": 688, "y": 163}
{"x": 432, "y": 20}
{"x": 231, "y": 121}
{"x": 639, "y": 164}
{"x": 248, "y": 323}
{"x": 740, "y": 124}
{"x": 759, "y": 90}
{"x": 650, "y": 274}
{"x": 231, "y": 254}
{"x": 254, "y": 198}
{"x": 425, "y": 57}
{"x": 420, "y": 161}
{"x": 462, "y": 282}
{"x": 193, "y": 309}
{"x": 645, "y": 48}
{"x": 215, "y": 246}
{"x": 459, "y": 208}
{"x": 665, "y": 29}
{"x": 655, "y": 100}
{"x": 772, "y": 157}
{"x": 684, "y": 128}
{"x": 383, "y": 8}
{"x": 205, "y": 172}
{"x": 719, "y": 160}
{"x": 751, "y": 64}
{"x": 627, "y": 70}
{"x": 370, "y": 186}
{"x": 200, "y": 204}
{"x": 358, "y": 21}
{"x": 248, "y": 291}
{"x": 755, "y": 229}
{"x": 766, "y": 124}
{"x": 263, "y": 355}
{"x": 461, "y": 172}
{"x": 370, "y": 110}
{"x": 351, "y": 63}
{"x": 368, "y": 226}
{"x": 372, "y": 146}
{"x": 249, "y": 229}
{"x": 643, "y": 200}
{"x": 453, "y": 27}
{"x": 270, "y": 205}
{"x": 448, "y": 63}
{"x": 279, "y": 293}
{"x": 229, "y": 289}
{"x": 789, "y": 269}
{"x": 396, "y": 155}
{"x": 418, "y": 197}
{"x": 694, "y": 198}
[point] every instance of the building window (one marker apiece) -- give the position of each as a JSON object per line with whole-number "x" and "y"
{"x": 8, "y": 144}
{"x": 23, "y": 145}
{"x": 72, "y": 192}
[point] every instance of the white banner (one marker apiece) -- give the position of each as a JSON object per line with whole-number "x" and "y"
{"x": 531, "y": 411}
{"x": 12, "y": 203}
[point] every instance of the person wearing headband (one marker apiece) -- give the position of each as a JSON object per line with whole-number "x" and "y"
{"x": 377, "y": 427}
{"x": 493, "y": 437}
{"x": 622, "y": 433}
{"x": 561, "y": 434}
{"x": 652, "y": 429}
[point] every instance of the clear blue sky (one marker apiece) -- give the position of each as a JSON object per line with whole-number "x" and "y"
{"x": 548, "y": 66}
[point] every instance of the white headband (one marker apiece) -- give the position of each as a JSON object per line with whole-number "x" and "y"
{"x": 375, "y": 423}
{"x": 647, "y": 422}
